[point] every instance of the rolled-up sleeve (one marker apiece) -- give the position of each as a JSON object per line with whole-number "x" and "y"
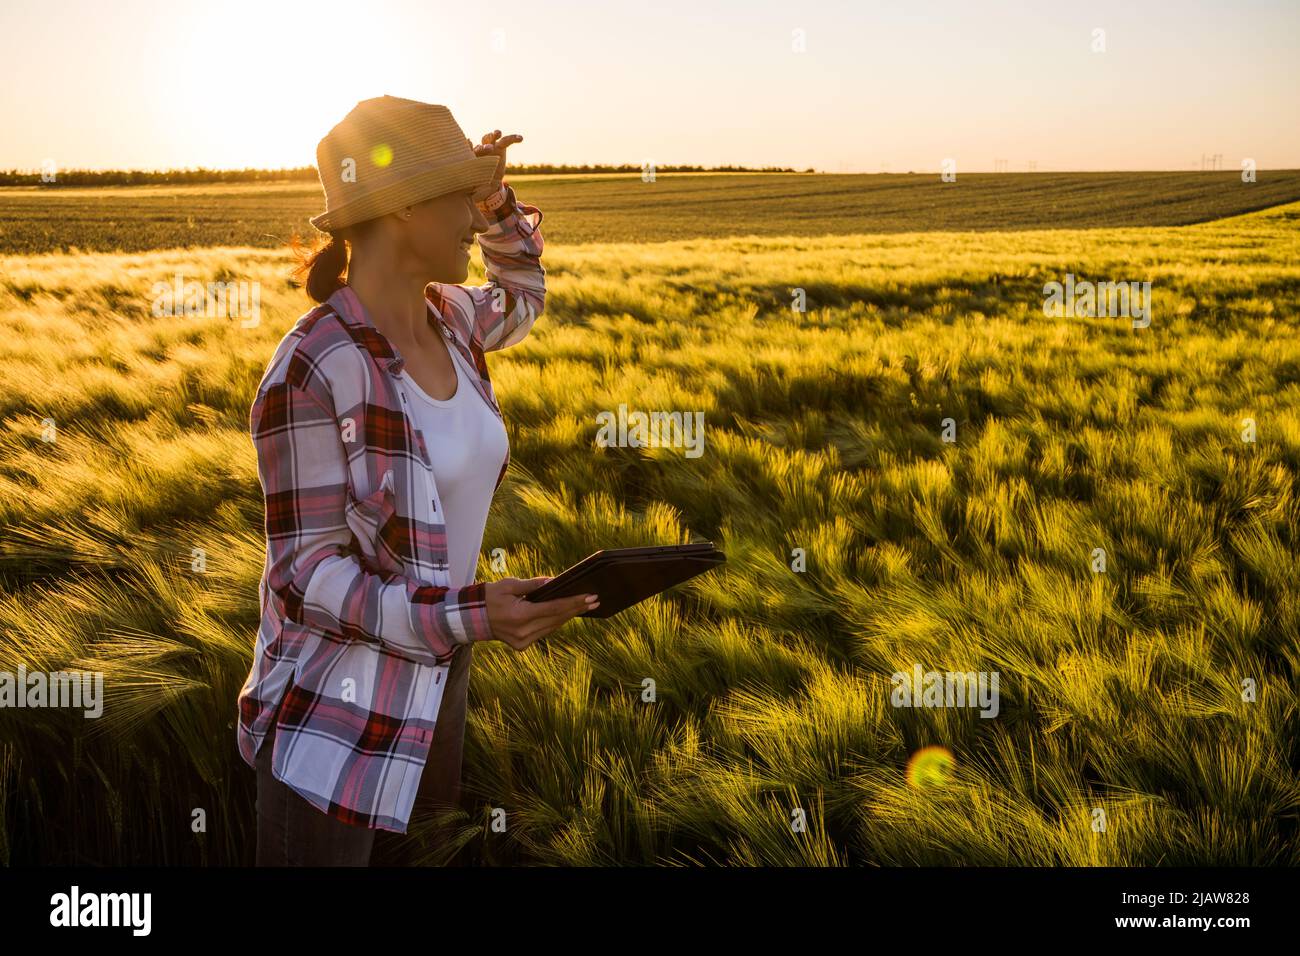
{"x": 501, "y": 312}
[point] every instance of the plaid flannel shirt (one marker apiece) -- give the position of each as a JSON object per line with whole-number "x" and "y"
{"x": 358, "y": 621}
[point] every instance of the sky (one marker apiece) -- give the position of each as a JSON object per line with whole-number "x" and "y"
{"x": 832, "y": 85}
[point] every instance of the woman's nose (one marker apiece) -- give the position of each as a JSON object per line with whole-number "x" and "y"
{"x": 480, "y": 223}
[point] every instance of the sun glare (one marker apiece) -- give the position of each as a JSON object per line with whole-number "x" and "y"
{"x": 282, "y": 74}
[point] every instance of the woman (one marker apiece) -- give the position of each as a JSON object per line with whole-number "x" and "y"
{"x": 379, "y": 445}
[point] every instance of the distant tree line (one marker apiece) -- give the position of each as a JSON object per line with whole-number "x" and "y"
{"x": 175, "y": 177}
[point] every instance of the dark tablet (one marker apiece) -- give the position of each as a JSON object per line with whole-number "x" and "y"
{"x": 626, "y": 576}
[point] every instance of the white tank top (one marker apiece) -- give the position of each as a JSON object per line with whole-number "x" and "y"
{"x": 467, "y": 443}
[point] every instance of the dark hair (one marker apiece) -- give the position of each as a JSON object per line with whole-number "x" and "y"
{"x": 322, "y": 269}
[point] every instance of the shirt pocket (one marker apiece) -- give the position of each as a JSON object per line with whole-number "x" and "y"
{"x": 374, "y": 525}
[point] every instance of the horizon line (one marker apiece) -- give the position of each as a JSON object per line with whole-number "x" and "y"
{"x": 669, "y": 169}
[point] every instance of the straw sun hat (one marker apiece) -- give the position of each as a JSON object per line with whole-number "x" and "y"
{"x": 390, "y": 152}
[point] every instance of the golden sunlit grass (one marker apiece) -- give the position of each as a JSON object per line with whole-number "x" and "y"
{"x": 1121, "y": 692}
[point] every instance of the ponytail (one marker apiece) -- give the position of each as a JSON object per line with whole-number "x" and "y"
{"x": 322, "y": 268}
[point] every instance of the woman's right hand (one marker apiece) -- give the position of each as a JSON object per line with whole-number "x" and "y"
{"x": 518, "y": 622}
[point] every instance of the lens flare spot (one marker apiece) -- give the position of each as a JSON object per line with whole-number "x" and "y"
{"x": 930, "y": 767}
{"x": 381, "y": 155}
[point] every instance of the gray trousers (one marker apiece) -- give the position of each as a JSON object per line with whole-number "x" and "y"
{"x": 292, "y": 832}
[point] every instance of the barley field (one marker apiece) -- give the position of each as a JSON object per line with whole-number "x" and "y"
{"x": 1158, "y": 696}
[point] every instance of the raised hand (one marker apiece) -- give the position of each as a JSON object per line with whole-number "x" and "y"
{"x": 494, "y": 144}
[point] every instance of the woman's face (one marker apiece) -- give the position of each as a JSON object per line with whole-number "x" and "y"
{"x": 440, "y": 232}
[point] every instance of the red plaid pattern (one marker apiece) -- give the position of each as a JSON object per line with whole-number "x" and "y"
{"x": 359, "y": 624}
